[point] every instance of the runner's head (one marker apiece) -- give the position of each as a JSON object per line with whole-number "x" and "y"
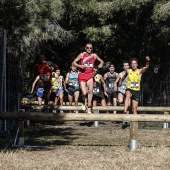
{"x": 42, "y": 58}
{"x": 58, "y": 71}
{"x": 111, "y": 68}
{"x": 134, "y": 63}
{"x": 125, "y": 65}
{"x": 73, "y": 68}
{"x": 95, "y": 69}
{"x": 89, "y": 48}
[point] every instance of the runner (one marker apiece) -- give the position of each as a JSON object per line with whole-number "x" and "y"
{"x": 72, "y": 86}
{"x": 133, "y": 83}
{"x": 87, "y": 60}
{"x": 55, "y": 87}
{"x": 45, "y": 73}
{"x": 38, "y": 88}
{"x": 110, "y": 77}
{"x": 98, "y": 94}
{"x": 60, "y": 93}
{"x": 122, "y": 89}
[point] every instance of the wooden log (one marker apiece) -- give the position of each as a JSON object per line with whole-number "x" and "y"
{"x": 101, "y": 108}
{"x": 165, "y": 124}
{"x": 21, "y": 133}
{"x": 85, "y": 117}
{"x": 133, "y": 135}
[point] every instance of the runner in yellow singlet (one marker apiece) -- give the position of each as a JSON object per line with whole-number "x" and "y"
{"x": 133, "y": 83}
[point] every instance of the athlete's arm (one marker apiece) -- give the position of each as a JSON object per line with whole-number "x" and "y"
{"x": 143, "y": 70}
{"x": 104, "y": 85}
{"x": 117, "y": 79}
{"x": 105, "y": 76}
{"x": 75, "y": 62}
{"x": 66, "y": 81}
{"x": 33, "y": 84}
{"x": 100, "y": 60}
{"x": 124, "y": 76}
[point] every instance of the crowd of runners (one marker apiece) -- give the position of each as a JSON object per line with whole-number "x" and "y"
{"x": 83, "y": 81}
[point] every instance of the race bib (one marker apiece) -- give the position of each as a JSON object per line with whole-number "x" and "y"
{"x": 124, "y": 87}
{"x": 88, "y": 65}
{"x": 111, "y": 85}
{"x": 96, "y": 90}
{"x": 134, "y": 85}
{"x": 72, "y": 84}
{"x": 45, "y": 77}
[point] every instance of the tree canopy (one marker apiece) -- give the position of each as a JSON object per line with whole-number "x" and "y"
{"x": 60, "y": 28}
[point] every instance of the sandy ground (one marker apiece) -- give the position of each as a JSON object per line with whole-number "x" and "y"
{"x": 81, "y": 146}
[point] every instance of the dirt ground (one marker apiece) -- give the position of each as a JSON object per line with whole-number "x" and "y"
{"x": 81, "y": 146}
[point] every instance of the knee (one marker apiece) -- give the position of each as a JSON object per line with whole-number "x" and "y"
{"x": 90, "y": 92}
{"x": 128, "y": 96}
{"x": 84, "y": 93}
{"x": 134, "y": 109}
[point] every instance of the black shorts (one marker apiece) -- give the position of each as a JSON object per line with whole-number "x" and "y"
{"x": 98, "y": 97}
{"x": 111, "y": 96}
{"x": 72, "y": 90}
{"x": 52, "y": 96}
{"x": 135, "y": 94}
{"x": 47, "y": 85}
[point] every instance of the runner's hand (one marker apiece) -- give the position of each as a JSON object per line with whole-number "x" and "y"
{"x": 82, "y": 66}
{"x": 147, "y": 58}
{"x": 100, "y": 65}
{"x": 105, "y": 93}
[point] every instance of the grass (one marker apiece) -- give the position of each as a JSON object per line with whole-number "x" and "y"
{"x": 80, "y": 146}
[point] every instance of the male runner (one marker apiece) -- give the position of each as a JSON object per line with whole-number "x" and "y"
{"x": 121, "y": 89}
{"x": 110, "y": 77}
{"x": 87, "y": 60}
{"x": 60, "y": 93}
{"x": 98, "y": 94}
{"x": 71, "y": 81}
{"x": 133, "y": 83}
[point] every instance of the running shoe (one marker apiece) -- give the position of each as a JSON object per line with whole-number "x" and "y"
{"x": 83, "y": 107}
{"x": 124, "y": 125}
{"x": 89, "y": 110}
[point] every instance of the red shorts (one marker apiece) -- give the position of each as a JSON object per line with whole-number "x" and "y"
{"x": 85, "y": 77}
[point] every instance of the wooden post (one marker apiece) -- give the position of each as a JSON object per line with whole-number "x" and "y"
{"x": 165, "y": 124}
{"x": 96, "y": 123}
{"x": 133, "y": 135}
{"x": 21, "y": 133}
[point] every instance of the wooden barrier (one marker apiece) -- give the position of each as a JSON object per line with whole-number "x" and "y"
{"x": 101, "y": 108}
{"x": 133, "y": 118}
{"x": 85, "y": 117}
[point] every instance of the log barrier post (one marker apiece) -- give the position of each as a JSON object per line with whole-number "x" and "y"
{"x": 165, "y": 124}
{"x": 21, "y": 133}
{"x": 96, "y": 123}
{"x": 133, "y": 135}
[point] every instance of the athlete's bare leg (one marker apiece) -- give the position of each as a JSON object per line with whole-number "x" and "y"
{"x": 120, "y": 98}
{"x": 134, "y": 106}
{"x": 103, "y": 102}
{"x": 39, "y": 101}
{"x": 114, "y": 104}
{"x": 84, "y": 90}
{"x": 61, "y": 98}
{"x": 70, "y": 100}
{"x": 90, "y": 91}
{"x": 76, "y": 97}
{"x": 127, "y": 101}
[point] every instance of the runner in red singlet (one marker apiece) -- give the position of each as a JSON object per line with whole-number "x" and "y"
{"x": 45, "y": 73}
{"x": 87, "y": 60}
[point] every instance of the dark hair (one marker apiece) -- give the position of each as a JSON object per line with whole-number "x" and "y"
{"x": 125, "y": 61}
{"x": 133, "y": 59}
{"x": 111, "y": 65}
{"x": 89, "y": 43}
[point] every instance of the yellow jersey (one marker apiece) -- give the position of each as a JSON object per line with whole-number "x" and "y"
{"x": 133, "y": 80}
